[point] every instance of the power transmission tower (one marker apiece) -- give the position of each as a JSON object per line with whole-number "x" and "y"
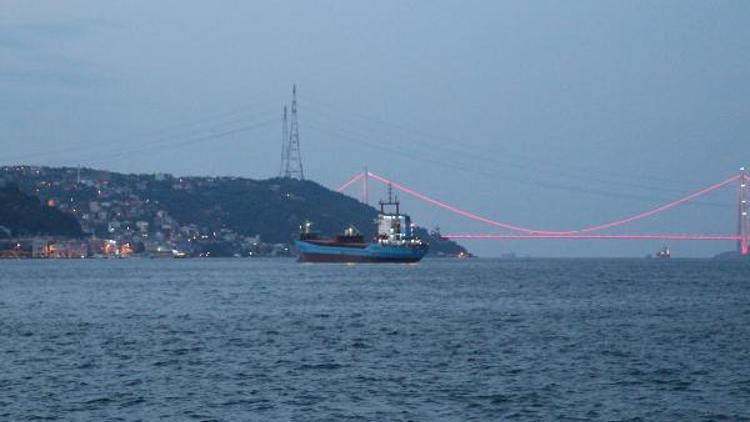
{"x": 292, "y": 160}
{"x": 284, "y": 143}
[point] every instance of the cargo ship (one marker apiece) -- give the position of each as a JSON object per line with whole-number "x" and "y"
{"x": 394, "y": 242}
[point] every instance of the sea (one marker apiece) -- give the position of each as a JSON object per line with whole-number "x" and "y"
{"x": 441, "y": 340}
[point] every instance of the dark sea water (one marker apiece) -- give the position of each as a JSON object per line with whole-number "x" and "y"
{"x": 245, "y": 339}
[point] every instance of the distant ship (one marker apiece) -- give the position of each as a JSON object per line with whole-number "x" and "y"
{"x": 664, "y": 253}
{"x": 394, "y": 242}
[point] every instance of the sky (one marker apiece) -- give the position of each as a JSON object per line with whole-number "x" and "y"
{"x": 548, "y": 114}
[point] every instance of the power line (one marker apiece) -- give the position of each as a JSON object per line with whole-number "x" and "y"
{"x": 402, "y": 153}
{"x": 150, "y": 137}
{"x": 490, "y": 153}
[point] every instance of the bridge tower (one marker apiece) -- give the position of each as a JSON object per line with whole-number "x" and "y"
{"x": 366, "y": 188}
{"x": 291, "y": 162}
{"x": 743, "y": 226}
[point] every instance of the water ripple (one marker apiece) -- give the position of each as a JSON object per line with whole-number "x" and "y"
{"x": 225, "y": 340}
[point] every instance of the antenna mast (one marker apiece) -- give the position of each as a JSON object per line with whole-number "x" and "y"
{"x": 391, "y": 201}
{"x": 284, "y": 144}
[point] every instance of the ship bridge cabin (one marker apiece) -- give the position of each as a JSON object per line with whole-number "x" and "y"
{"x": 396, "y": 226}
{"x": 393, "y": 227}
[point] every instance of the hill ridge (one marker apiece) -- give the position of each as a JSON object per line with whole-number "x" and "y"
{"x": 164, "y": 207}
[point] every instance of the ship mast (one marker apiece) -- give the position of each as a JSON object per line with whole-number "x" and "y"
{"x": 390, "y": 201}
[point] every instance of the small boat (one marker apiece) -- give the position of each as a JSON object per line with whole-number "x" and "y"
{"x": 394, "y": 242}
{"x": 664, "y": 253}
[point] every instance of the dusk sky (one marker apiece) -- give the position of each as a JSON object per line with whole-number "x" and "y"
{"x": 549, "y": 114}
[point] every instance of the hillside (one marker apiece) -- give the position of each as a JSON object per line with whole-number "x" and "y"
{"x": 163, "y": 206}
{"x": 23, "y": 215}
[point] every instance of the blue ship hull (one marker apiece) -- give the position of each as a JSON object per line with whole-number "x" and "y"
{"x": 369, "y": 252}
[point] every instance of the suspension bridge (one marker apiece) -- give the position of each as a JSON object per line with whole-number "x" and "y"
{"x": 593, "y": 232}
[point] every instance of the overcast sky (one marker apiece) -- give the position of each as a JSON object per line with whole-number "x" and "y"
{"x": 551, "y": 114}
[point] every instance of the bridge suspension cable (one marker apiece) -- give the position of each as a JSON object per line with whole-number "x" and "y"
{"x": 538, "y": 233}
{"x": 595, "y": 236}
{"x": 350, "y": 181}
{"x": 459, "y": 211}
